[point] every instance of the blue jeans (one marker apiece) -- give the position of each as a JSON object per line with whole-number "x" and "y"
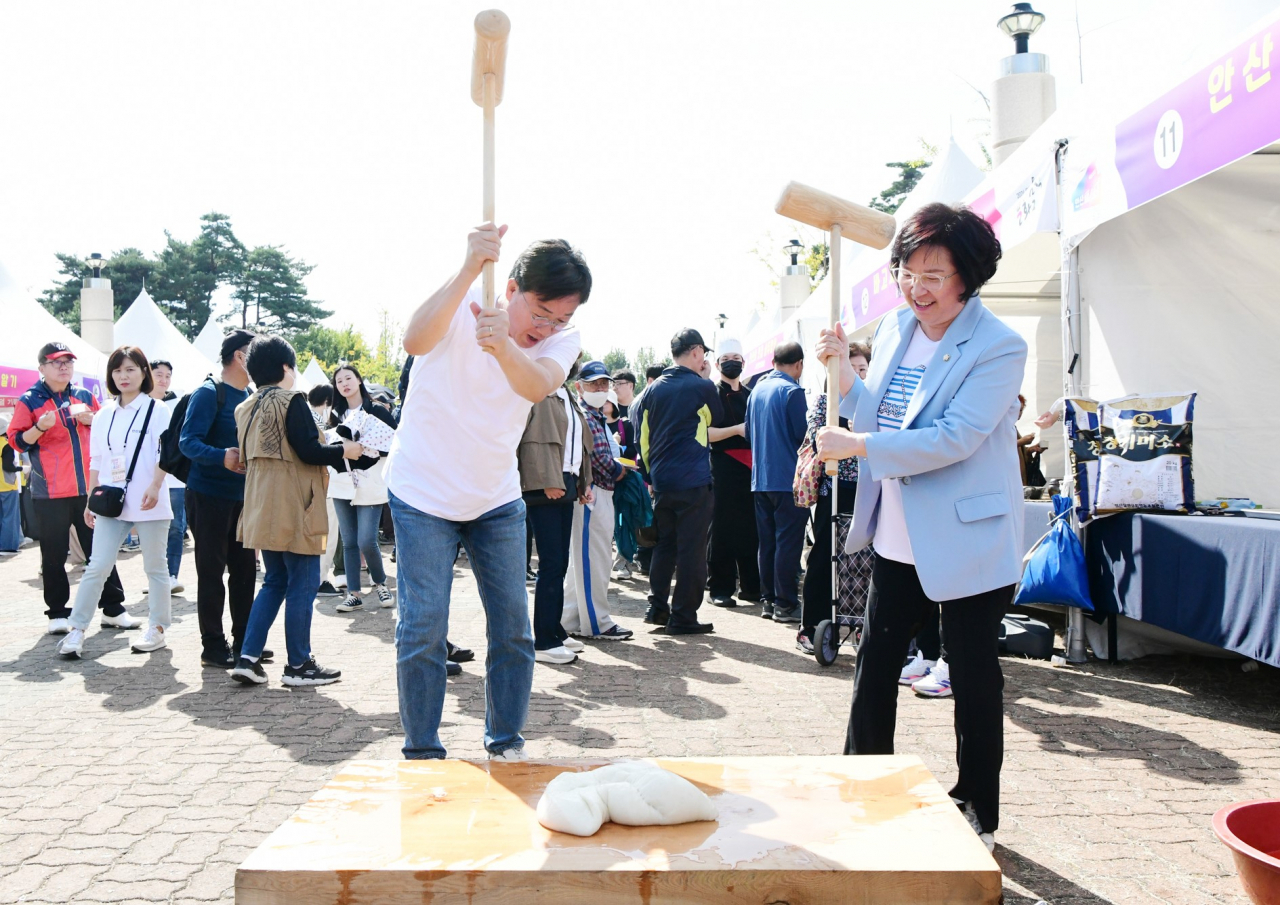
{"x": 359, "y": 527}
{"x": 10, "y": 520}
{"x": 780, "y": 526}
{"x": 177, "y": 528}
{"x": 291, "y": 579}
{"x": 426, "y": 548}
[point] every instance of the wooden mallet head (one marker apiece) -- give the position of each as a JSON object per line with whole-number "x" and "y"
{"x": 823, "y": 210}
{"x": 490, "y": 56}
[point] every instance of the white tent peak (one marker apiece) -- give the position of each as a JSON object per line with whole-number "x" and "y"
{"x": 208, "y": 341}
{"x": 144, "y": 325}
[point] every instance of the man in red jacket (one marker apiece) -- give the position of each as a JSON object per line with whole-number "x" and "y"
{"x": 51, "y": 424}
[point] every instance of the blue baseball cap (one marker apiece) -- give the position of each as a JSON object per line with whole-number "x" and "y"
{"x": 593, "y": 370}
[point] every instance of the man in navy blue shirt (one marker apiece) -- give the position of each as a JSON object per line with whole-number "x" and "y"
{"x": 672, "y": 419}
{"x": 776, "y": 427}
{"x": 215, "y": 497}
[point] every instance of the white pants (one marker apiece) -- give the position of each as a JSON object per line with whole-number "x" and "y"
{"x": 108, "y": 535}
{"x": 586, "y": 583}
{"x": 330, "y": 548}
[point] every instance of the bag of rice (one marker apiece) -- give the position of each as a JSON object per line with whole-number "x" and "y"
{"x": 1081, "y": 417}
{"x": 1144, "y": 454}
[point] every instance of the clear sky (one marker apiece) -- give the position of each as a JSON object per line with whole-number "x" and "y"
{"x": 654, "y": 135}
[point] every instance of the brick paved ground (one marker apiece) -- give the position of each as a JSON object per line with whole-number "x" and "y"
{"x": 133, "y": 778}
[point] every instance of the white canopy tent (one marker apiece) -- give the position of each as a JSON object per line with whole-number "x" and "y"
{"x": 25, "y": 326}
{"x": 313, "y": 375}
{"x": 208, "y": 341}
{"x": 144, "y": 325}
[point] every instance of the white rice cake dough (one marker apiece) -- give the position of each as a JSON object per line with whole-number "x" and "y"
{"x": 633, "y": 793}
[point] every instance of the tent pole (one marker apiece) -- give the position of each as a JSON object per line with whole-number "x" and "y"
{"x": 1076, "y": 648}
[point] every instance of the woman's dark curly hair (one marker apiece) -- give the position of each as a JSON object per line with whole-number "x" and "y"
{"x": 969, "y": 238}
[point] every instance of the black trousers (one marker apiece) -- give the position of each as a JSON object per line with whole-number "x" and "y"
{"x": 213, "y": 522}
{"x": 734, "y": 544}
{"x": 55, "y": 520}
{"x": 817, "y": 568}
{"x": 683, "y": 520}
{"x": 552, "y": 525}
{"x": 897, "y": 607}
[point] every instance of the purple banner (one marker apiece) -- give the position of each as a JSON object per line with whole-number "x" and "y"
{"x": 16, "y": 381}
{"x": 1226, "y": 111}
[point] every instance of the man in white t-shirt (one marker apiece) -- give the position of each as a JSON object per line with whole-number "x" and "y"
{"x": 452, "y": 476}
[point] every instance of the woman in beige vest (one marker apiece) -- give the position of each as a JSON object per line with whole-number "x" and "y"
{"x": 284, "y": 512}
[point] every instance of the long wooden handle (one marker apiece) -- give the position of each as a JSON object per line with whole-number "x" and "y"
{"x": 833, "y": 365}
{"x": 490, "y": 89}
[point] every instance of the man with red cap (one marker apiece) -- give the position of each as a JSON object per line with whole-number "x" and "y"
{"x": 51, "y": 424}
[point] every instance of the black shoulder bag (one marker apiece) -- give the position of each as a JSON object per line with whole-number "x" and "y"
{"x": 107, "y": 499}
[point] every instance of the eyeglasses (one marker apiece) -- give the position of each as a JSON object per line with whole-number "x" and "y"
{"x": 62, "y": 362}
{"x": 540, "y": 321}
{"x": 932, "y": 282}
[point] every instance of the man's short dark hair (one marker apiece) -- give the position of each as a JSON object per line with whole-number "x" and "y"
{"x": 233, "y": 342}
{"x": 138, "y": 357}
{"x": 552, "y": 269}
{"x": 788, "y": 354}
{"x": 267, "y": 357}
{"x": 161, "y": 363}
{"x": 967, "y": 237}
{"x": 653, "y": 372}
{"x": 624, "y": 376}
{"x": 320, "y": 394}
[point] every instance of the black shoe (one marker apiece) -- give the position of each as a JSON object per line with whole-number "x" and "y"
{"x": 723, "y": 602}
{"x": 530, "y": 575}
{"x": 249, "y": 673}
{"x": 310, "y": 673}
{"x": 656, "y": 616}
{"x": 328, "y": 590}
{"x": 786, "y": 614}
{"x": 694, "y": 628}
{"x": 220, "y": 658}
{"x": 452, "y": 669}
{"x": 460, "y": 654}
{"x": 267, "y": 655}
{"x": 766, "y": 609}
{"x": 748, "y": 598}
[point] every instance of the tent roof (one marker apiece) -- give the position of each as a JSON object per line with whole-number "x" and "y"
{"x": 312, "y": 376}
{"x": 28, "y": 326}
{"x": 208, "y": 341}
{"x": 144, "y": 325}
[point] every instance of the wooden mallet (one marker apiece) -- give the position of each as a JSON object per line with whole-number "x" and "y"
{"x": 841, "y": 218}
{"x": 488, "y": 66}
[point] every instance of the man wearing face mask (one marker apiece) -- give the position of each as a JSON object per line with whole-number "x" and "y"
{"x": 734, "y": 543}
{"x": 586, "y": 584}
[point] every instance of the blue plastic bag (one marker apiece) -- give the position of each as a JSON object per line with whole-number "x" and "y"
{"x": 1055, "y": 571}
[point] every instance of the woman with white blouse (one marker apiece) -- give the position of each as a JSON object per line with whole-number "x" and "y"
{"x": 131, "y": 423}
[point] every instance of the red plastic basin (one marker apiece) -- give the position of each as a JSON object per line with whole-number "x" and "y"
{"x": 1251, "y": 829}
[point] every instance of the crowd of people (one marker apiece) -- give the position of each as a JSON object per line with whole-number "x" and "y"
{"x": 506, "y": 441}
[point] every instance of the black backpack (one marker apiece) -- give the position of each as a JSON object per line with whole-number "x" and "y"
{"x": 172, "y": 461}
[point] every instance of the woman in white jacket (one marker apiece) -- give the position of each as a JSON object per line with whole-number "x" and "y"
{"x": 358, "y": 496}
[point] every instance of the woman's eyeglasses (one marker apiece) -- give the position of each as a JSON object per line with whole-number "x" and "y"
{"x": 932, "y": 282}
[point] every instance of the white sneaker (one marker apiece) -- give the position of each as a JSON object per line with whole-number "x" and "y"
{"x": 987, "y": 839}
{"x": 72, "y": 645}
{"x": 511, "y": 756}
{"x": 385, "y": 598}
{"x": 937, "y": 684}
{"x": 124, "y": 620}
{"x": 558, "y": 655}
{"x": 176, "y": 586}
{"x": 574, "y": 645}
{"x": 59, "y": 626}
{"x": 152, "y": 639}
{"x": 916, "y": 670}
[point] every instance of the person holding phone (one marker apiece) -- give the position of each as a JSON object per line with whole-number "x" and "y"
{"x": 51, "y": 424}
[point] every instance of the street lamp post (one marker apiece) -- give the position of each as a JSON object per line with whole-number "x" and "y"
{"x": 97, "y": 306}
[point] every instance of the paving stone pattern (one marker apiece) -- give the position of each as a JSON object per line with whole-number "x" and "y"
{"x": 145, "y": 778}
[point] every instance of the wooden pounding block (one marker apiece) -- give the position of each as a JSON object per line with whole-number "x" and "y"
{"x": 800, "y": 830}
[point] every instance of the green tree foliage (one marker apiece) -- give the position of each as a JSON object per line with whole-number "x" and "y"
{"x": 183, "y": 276}
{"x": 615, "y": 360}
{"x": 272, "y": 292}
{"x": 909, "y": 173}
{"x": 379, "y": 365}
{"x": 819, "y": 260}
{"x": 128, "y": 270}
{"x": 645, "y": 356}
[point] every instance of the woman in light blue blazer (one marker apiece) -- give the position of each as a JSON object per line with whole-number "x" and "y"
{"x": 940, "y": 492}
